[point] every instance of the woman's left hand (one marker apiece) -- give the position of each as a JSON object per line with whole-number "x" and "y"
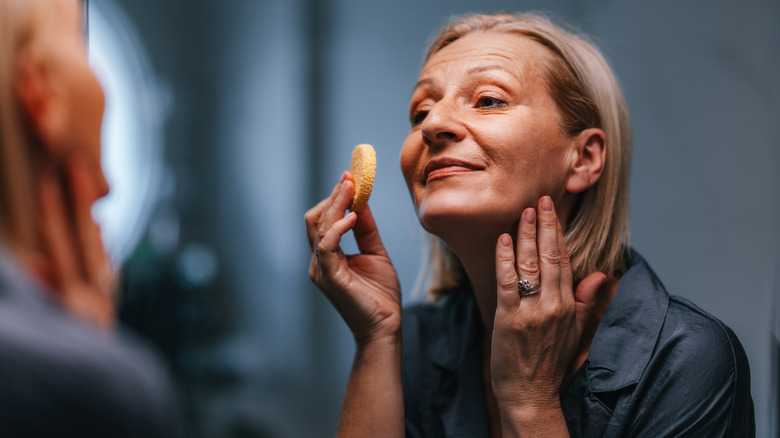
{"x": 73, "y": 263}
{"x": 536, "y": 337}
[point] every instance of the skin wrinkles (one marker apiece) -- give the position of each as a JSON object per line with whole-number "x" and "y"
{"x": 518, "y": 142}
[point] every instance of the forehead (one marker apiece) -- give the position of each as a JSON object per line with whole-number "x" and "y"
{"x": 515, "y": 52}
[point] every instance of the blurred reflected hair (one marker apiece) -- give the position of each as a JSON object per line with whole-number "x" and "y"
{"x": 587, "y": 94}
{"x": 19, "y": 22}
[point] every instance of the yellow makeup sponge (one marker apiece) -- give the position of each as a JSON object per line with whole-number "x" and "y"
{"x": 363, "y": 170}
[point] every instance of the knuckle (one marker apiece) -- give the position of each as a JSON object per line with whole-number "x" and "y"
{"x": 556, "y": 312}
{"x": 559, "y": 312}
{"x": 311, "y": 216}
{"x": 565, "y": 258}
{"x": 321, "y": 233}
{"x": 549, "y": 221}
{"x": 508, "y": 321}
{"x": 504, "y": 259}
{"x": 550, "y": 257}
{"x": 529, "y": 267}
{"x": 507, "y": 281}
{"x": 527, "y": 236}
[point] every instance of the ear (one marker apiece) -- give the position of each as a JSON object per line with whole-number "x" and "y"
{"x": 589, "y": 152}
{"x": 41, "y": 96}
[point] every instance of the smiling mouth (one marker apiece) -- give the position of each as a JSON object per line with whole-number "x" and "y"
{"x": 445, "y": 167}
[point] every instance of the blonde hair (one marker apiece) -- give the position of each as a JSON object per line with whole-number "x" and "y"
{"x": 587, "y": 94}
{"x": 19, "y": 22}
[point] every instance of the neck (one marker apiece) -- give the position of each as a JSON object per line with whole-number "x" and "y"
{"x": 477, "y": 254}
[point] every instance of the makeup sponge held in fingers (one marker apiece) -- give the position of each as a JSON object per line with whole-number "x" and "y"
{"x": 363, "y": 170}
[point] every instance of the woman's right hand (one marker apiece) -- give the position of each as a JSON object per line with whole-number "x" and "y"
{"x": 363, "y": 287}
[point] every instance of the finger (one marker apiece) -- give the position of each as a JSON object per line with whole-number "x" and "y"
{"x": 367, "y": 234}
{"x": 312, "y": 217}
{"x": 42, "y": 268}
{"x": 527, "y": 255}
{"x": 335, "y": 211}
{"x": 506, "y": 276}
{"x": 567, "y": 295}
{"x": 92, "y": 255}
{"x": 585, "y": 297}
{"x": 549, "y": 249}
{"x": 54, "y": 230}
{"x": 328, "y": 250}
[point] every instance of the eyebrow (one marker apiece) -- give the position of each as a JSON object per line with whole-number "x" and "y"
{"x": 484, "y": 68}
{"x": 472, "y": 71}
{"x": 424, "y": 81}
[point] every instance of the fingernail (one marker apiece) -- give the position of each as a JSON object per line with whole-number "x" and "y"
{"x": 506, "y": 240}
{"x": 546, "y": 203}
{"x": 529, "y": 215}
{"x": 342, "y": 178}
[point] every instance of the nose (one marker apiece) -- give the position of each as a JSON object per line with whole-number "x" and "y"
{"x": 101, "y": 183}
{"x": 442, "y": 124}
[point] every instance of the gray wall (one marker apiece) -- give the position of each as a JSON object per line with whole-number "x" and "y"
{"x": 269, "y": 97}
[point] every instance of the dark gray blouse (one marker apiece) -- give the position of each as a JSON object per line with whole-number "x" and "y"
{"x": 658, "y": 366}
{"x": 60, "y": 377}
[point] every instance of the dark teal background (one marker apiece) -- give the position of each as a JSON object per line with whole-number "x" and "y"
{"x": 267, "y": 100}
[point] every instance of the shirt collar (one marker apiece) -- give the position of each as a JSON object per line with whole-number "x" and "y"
{"x": 619, "y": 353}
{"x": 627, "y": 334}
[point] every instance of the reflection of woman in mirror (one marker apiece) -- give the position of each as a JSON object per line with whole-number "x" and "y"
{"x": 60, "y": 374}
{"x": 544, "y": 322}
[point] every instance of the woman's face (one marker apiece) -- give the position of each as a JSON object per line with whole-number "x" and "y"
{"x": 82, "y": 94}
{"x": 486, "y": 138}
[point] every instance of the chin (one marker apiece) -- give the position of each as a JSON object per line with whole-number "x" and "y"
{"x": 442, "y": 215}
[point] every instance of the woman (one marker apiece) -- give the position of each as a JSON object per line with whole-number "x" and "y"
{"x": 64, "y": 371}
{"x": 545, "y": 322}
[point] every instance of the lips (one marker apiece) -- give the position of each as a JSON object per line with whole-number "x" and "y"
{"x": 443, "y": 167}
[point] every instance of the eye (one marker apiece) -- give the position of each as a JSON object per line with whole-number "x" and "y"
{"x": 489, "y": 102}
{"x": 418, "y": 117}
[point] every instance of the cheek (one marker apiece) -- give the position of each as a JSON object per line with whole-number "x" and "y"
{"x": 411, "y": 154}
{"x": 528, "y": 164}
{"x": 97, "y": 95}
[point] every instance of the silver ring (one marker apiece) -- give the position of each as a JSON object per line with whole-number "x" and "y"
{"x": 525, "y": 288}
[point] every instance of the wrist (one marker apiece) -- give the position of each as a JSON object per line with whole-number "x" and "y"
{"x": 382, "y": 356}
{"x": 379, "y": 341}
{"x": 386, "y": 333}
{"x": 540, "y": 415}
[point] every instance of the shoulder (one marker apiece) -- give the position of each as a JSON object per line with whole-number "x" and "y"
{"x": 71, "y": 374}
{"x": 703, "y": 338}
{"x": 698, "y": 375}
{"x": 46, "y": 336}
{"x": 676, "y": 368}
{"x": 702, "y": 348}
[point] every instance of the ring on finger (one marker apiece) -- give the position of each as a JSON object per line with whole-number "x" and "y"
{"x": 525, "y": 288}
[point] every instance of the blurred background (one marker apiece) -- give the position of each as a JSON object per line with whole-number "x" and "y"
{"x": 227, "y": 120}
